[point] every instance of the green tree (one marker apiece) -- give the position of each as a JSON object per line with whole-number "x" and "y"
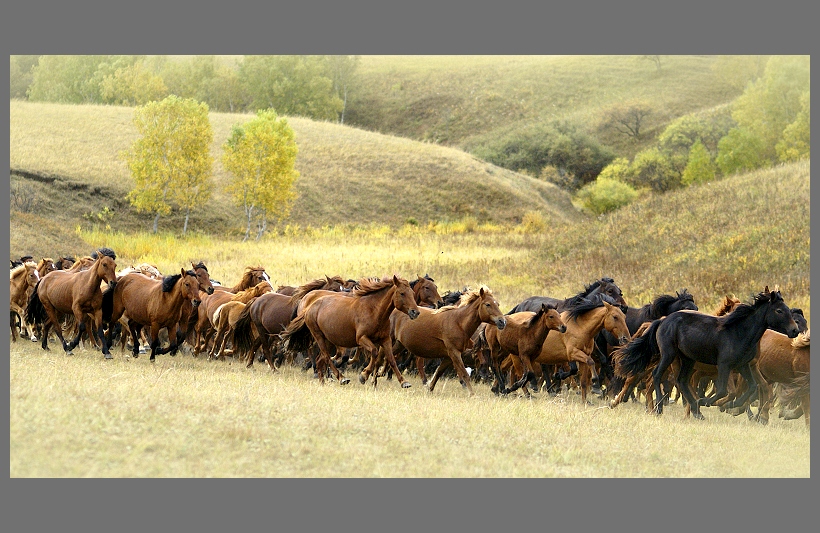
{"x": 617, "y": 170}
{"x": 66, "y": 79}
{"x": 342, "y": 71}
{"x": 740, "y": 150}
{"x": 293, "y": 85}
{"x": 773, "y": 102}
{"x": 796, "y": 141}
{"x": 676, "y": 140}
{"x": 171, "y": 161}
{"x": 651, "y": 169}
{"x": 261, "y": 154}
{"x": 605, "y": 194}
{"x": 20, "y": 74}
{"x": 700, "y": 168}
{"x": 132, "y": 85}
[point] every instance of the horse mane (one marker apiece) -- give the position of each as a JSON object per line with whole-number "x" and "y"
{"x": 104, "y": 251}
{"x": 371, "y": 285}
{"x": 579, "y": 306}
{"x": 743, "y": 311}
{"x": 466, "y": 298}
{"x": 541, "y": 310}
{"x": 18, "y": 270}
{"x": 803, "y": 340}
{"x": 256, "y": 291}
{"x": 661, "y": 304}
{"x": 726, "y": 307}
{"x": 426, "y": 276}
{"x": 310, "y": 286}
{"x": 200, "y": 265}
{"x": 168, "y": 282}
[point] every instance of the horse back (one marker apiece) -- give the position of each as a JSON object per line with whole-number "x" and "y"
{"x": 779, "y": 361}
{"x": 425, "y": 335}
{"x": 696, "y": 335}
{"x": 271, "y": 312}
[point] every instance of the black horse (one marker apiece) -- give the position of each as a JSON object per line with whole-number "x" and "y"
{"x": 661, "y": 306}
{"x": 728, "y": 342}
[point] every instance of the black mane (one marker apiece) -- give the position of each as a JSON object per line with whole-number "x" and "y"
{"x": 103, "y": 251}
{"x": 579, "y": 306}
{"x": 743, "y": 311}
{"x": 168, "y": 282}
{"x": 201, "y": 265}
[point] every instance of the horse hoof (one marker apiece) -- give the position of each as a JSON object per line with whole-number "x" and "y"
{"x": 69, "y": 352}
{"x": 109, "y": 356}
{"x": 344, "y": 381}
{"x": 698, "y": 416}
{"x": 362, "y": 379}
{"x": 763, "y": 421}
{"x": 34, "y": 339}
{"x": 405, "y": 385}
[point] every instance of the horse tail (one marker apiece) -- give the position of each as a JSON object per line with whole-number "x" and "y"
{"x": 639, "y": 352}
{"x": 35, "y": 311}
{"x": 296, "y": 336}
{"x": 243, "y": 332}
{"x": 108, "y": 304}
{"x": 798, "y": 388}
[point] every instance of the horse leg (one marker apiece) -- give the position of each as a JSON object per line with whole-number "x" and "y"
{"x": 458, "y": 364}
{"x": 721, "y": 386}
{"x": 387, "y": 346}
{"x": 751, "y": 386}
{"x": 105, "y": 345}
{"x": 687, "y": 366}
{"x": 445, "y": 364}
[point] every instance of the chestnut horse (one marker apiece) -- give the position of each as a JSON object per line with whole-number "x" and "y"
{"x": 227, "y": 314}
{"x": 584, "y": 319}
{"x": 153, "y": 303}
{"x": 63, "y": 292}
{"x": 360, "y": 318}
{"x": 785, "y": 361}
{"x": 269, "y": 315}
{"x": 445, "y": 333}
{"x": 522, "y": 339}
{"x": 200, "y": 324}
{"x": 22, "y": 280}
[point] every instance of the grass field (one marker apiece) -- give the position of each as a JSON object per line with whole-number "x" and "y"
{"x": 81, "y": 416}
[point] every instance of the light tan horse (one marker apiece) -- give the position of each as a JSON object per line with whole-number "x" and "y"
{"x": 22, "y": 280}
{"x": 227, "y": 314}
{"x": 348, "y": 320}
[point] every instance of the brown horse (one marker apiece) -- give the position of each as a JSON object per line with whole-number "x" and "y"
{"x": 72, "y": 293}
{"x": 152, "y": 303}
{"x": 22, "y": 280}
{"x": 445, "y": 333}
{"x": 227, "y": 314}
{"x": 522, "y": 339}
{"x": 361, "y": 319}
{"x": 188, "y": 310}
{"x": 584, "y": 319}
{"x": 45, "y": 265}
{"x": 781, "y": 360}
{"x": 200, "y": 324}
{"x": 270, "y": 314}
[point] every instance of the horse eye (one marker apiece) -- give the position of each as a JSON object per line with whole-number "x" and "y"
{"x": 779, "y": 311}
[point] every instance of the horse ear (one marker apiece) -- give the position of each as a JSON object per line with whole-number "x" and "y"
{"x": 766, "y": 289}
{"x": 395, "y": 280}
{"x": 182, "y": 271}
{"x": 481, "y": 291}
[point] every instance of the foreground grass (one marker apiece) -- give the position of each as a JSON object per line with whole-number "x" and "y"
{"x": 82, "y": 416}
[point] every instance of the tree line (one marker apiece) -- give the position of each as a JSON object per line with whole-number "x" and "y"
{"x": 315, "y": 86}
{"x": 172, "y": 166}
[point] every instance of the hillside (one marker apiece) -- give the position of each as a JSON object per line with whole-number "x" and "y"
{"x": 60, "y": 152}
{"x": 467, "y": 101}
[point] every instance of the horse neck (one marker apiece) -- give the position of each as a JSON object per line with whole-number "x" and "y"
{"x": 89, "y": 277}
{"x": 382, "y": 301}
{"x": 469, "y": 316}
{"x": 174, "y": 299}
{"x": 590, "y": 323}
{"x": 756, "y": 327}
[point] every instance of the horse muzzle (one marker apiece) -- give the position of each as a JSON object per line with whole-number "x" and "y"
{"x": 562, "y": 329}
{"x": 623, "y": 340}
{"x": 793, "y": 332}
{"x": 413, "y": 314}
{"x": 209, "y": 290}
{"x": 500, "y": 323}
{"x": 195, "y": 303}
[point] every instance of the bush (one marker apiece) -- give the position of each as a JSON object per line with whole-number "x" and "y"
{"x": 652, "y": 169}
{"x": 699, "y": 168}
{"x": 533, "y": 222}
{"x": 604, "y": 195}
{"x": 740, "y": 150}
{"x": 618, "y": 170}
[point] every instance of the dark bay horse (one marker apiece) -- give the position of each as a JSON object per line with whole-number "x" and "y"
{"x": 605, "y": 286}
{"x": 522, "y": 339}
{"x": 153, "y": 303}
{"x": 360, "y": 318}
{"x": 446, "y": 333}
{"x": 77, "y": 294}
{"x": 729, "y": 342}
{"x": 22, "y": 280}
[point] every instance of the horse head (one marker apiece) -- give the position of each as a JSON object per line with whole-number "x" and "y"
{"x": 190, "y": 286}
{"x": 551, "y": 317}
{"x": 203, "y": 277}
{"x": 683, "y": 301}
{"x": 426, "y": 292}
{"x": 615, "y": 323}
{"x": 106, "y": 269}
{"x": 488, "y": 309}
{"x": 778, "y": 315}
{"x": 403, "y": 298}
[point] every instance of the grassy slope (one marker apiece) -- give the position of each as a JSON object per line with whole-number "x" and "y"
{"x": 347, "y": 175}
{"x": 465, "y": 101}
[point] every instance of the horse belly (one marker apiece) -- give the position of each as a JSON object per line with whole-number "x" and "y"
{"x": 420, "y": 340}
{"x": 335, "y": 326}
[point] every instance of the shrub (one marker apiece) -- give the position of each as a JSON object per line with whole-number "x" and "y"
{"x": 533, "y": 222}
{"x": 652, "y": 169}
{"x": 740, "y": 150}
{"x": 700, "y": 168}
{"x": 604, "y": 195}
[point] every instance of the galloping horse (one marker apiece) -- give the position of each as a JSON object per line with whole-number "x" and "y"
{"x": 44, "y": 266}
{"x": 150, "y": 302}
{"x": 188, "y": 310}
{"x": 728, "y": 342}
{"x": 785, "y": 361}
{"x": 227, "y": 314}
{"x": 22, "y": 280}
{"x": 269, "y": 315}
{"x": 64, "y": 262}
{"x": 63, "y": 292}
{"x": 584, "y": 319}
{"x": 605, "y": 286}
{"x": 445, "y": 333}
{"x": 200, "y": 324}
{"x": 347, "y": 320}
{"x": 522, "y": 339}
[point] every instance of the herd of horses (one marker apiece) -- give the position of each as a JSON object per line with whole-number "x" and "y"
{"x": 389, "y": 326}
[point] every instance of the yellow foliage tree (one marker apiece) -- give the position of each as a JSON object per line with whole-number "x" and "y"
{"x": 261, "y": 155}
{"x": 171, "y": 162}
